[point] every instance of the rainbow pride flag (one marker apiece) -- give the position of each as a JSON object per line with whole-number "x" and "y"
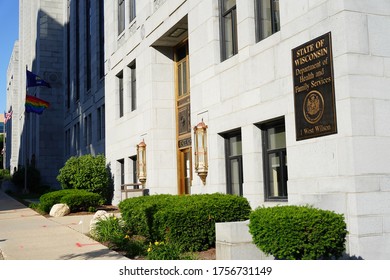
{"x": 35, "y": 105}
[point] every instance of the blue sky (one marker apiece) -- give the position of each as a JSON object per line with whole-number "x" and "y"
{"x": 9, "y": 32}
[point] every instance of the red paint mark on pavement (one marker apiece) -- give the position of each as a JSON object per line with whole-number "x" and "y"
{"x": 25, "y": 216}
{"x": 82, "y": 245}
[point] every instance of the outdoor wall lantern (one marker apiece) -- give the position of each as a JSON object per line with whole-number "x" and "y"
{"x": 141, "y": 162}
{"x": 201, "y": 162}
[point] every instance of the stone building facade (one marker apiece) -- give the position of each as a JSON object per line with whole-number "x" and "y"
{"x": 12, "y": 131}
{"x": 62, "y": 41}
{"x": 293, "y": 94}
{"x": 34, "y": 139}
{"x": 171, "y": 64}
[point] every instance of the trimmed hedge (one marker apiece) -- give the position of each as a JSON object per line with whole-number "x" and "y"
{"x": 298, "y": 232}
{"x": 77, "y": 200}
{"x": 189, "y": 221}
{"x": 138, "y": 212}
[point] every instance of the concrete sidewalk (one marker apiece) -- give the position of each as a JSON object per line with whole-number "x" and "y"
{"x": 26, "y": 235}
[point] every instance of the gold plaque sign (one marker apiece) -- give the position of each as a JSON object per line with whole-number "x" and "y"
{"x": 314, "y": 98}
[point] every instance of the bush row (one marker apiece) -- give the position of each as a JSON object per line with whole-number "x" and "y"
{"x": 189, "y": 221}
{"x": 77, "y": 200}
{"x": 298, "y": 232}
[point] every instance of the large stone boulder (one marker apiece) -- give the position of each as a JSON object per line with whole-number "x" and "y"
{"x": 59, "y": 210}
{"x": 98, "y": 216}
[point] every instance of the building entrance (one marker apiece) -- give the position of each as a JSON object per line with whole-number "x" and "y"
{"x": 183, "y": 118}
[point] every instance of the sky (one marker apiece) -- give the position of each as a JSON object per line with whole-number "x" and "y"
{"x": 9, "y": 33}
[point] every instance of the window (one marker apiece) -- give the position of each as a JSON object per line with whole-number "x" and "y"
{"x": 121, "y": 16}
{"x": 133, "y": 170}
{"x": 88, "y": 27}
{"x": 77, "y": 47}
{"x": 88, "y": 130}
{"x": 101, "y": 122}
{"x": 101, "y": 38}
{"x": 228, "y": 19}
{"x": 120, "y": 93}
{"x": 76, "y": 137}
{"x": 68, "y": 71}
{"x": 121, "y": 163}
{"x": 234, "y": 170}
{"x": 67, "y": 142}
{"x": 275, "y": 160}
{"x": 267, "y": 18}
{"x": 132, "y": 10}
{"x": 133, "y": 87}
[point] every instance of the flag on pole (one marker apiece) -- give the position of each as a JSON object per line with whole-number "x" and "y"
{"x": 33, "y": 80}
{"x": 7, "y": 116}
{"x": 35, "y": 105}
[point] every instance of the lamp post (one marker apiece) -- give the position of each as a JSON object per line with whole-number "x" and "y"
{"x": 141, "y": 162}
{"x": 201, "y": 161}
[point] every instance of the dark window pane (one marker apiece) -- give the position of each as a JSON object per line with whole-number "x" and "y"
{"x": 268, "y": 19}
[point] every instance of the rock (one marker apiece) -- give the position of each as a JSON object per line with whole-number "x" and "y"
{"x": 59, "y": 210}
{"x": 98, "y": 216}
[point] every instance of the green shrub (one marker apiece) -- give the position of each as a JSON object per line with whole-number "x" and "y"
{"x": 76, "y": 200}
{"x": 298, "y": 232}
{"x": 33, "y": 179}
{"x": 47, "y": 200}
{"x": 138, "y": 212}
{"x": 164, "y": 251}
{"x": 89, "y": 173}
{"x": 82, "y": 200}
{"x": 108, "y": 229}
{"x": 113, "y": 232}
{"x": 4, "y": 174}
{"x": 188, "y": 221}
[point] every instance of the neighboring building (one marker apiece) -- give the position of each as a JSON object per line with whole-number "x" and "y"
{"x": 35, "y": 139}
{"x": 65, "y": 47}
{"x": 84, "y": 82}
{"x": 13, "y": 127}
{"x": 171, "y": 64}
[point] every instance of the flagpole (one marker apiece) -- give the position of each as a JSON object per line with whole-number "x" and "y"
{"x": 4, "y": 143}
{"x": 25, "y": 145}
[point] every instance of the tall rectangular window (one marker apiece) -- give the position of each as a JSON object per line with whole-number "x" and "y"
{"x": 132, "y": 12}
{"x": 88, "y": 130}
{"x": 133, "y": 86}
{"x": 101, "y": 122}
{"x": 267, "y": 18}
{"x": 68, "y": 71}
{"x": 76, "y": 138}
{"x": 133, "y": 170}
{"x": 101, "y": 38}
{"x": 228, "y": 22}
{"x": 121, "y": 16}
{"x": 77, "y": 47}
{"x": 120, "y": 93}
{"x": 67, "y": 142}
{"x": 121, "y": 170}
{"x": 88, "y": 29}
{"x": 275, "y": 160}
{"x": 233, "y": 156}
